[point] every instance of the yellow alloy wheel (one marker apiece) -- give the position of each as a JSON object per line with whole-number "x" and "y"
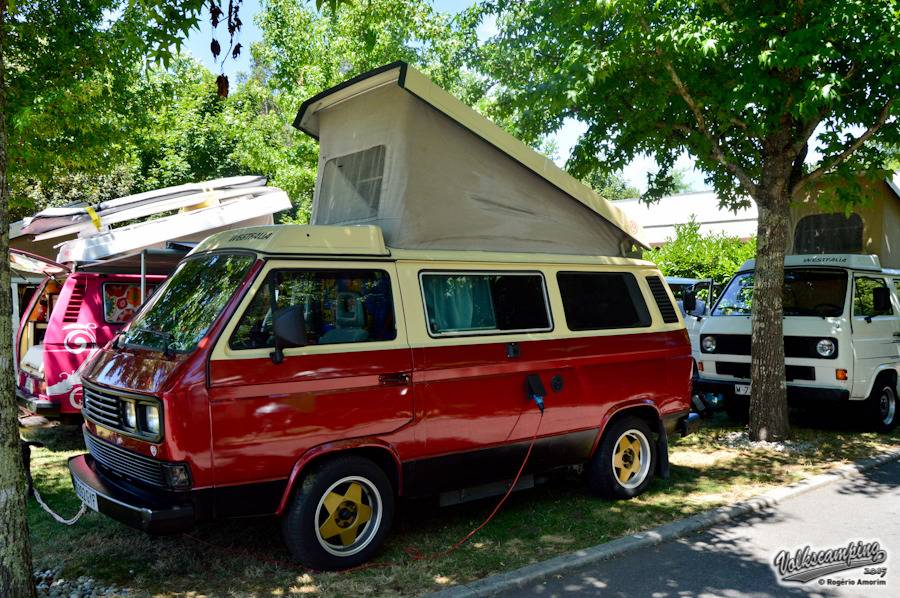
{"x": 631, "y": 458}
{"x": 348, "y": 516}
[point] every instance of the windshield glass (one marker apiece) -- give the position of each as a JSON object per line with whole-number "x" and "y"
{"x": 188, "y": 304}
{"x": 819, "y": 293}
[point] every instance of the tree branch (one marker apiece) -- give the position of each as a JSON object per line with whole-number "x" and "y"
{"x": 717, "y": 152}
{"x": 848, "y": 150}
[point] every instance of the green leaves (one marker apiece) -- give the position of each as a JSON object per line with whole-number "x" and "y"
{"x": 742, "y": 87}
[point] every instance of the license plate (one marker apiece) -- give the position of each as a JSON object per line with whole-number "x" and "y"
{"x": 742, "y": 389}
{"x": 87, "y": 496}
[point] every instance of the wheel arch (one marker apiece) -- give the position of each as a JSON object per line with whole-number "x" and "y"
{"x": 381, "y": 453}
{"x": 645, "y": 410}
{"x": 882, "y": 371}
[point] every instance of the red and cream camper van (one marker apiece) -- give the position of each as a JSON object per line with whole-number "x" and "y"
{"x": 318, "y": 372}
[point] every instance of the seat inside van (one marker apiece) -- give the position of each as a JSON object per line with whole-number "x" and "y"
{"x": 349, "y": 321}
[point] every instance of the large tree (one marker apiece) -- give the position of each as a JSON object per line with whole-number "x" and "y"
{"x": 63, "y": 64}
{"x": 748, "y": 89}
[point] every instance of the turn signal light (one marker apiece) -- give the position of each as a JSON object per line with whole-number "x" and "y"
{"x": 840, "y": 374}
{"x": 700, "y": 365}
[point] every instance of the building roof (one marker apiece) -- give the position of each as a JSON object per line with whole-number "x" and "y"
{"x": 408, "y": 78}
{"x": 659, "y": 219}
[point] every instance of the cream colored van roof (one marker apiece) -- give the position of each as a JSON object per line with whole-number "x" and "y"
{"x": 408, "y": 78}
{"x": 367, "y": 241}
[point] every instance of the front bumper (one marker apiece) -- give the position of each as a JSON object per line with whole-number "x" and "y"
{"x": 136, "y": 507}
{"x": 37, "y": 405}
{"x": 797, "y": 395}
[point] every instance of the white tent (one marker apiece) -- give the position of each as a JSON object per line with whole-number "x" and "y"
{"x": 398, "y": 152}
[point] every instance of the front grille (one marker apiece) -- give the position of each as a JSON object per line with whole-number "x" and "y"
{"x": 102, "y": 407}
{"x": 125, "y": 463}
{"x": 742, "y": 370}
{"x": 794, "y": 346}
{"x": 666, "y": 309}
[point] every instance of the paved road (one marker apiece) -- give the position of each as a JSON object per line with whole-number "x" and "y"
{"x": 733, "y": 560}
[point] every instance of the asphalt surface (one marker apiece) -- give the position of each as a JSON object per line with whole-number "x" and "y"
{"x": 734, "y": 559}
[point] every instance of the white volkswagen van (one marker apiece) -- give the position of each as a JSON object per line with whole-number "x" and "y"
{"x": 841, "y": 336}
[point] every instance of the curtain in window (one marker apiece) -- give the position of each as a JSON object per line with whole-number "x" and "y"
{"x": 459, "y": 303}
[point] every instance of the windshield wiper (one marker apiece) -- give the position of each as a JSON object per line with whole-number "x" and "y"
{"x": 168, "y": 341}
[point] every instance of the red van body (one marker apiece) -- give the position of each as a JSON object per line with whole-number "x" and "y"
{"x": 63, "y": 326}
{"x": 236, "y": 437}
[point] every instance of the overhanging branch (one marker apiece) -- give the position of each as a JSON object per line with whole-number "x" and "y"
{"x": 717, "y": 152}
{"x": 848, "y": 150}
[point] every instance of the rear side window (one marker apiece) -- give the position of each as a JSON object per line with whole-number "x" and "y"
{"x": 121, "y": 300}
{"x": 339, "y": 306}
{"x": 602, "y": 300}
{"x": 462, "y": 303}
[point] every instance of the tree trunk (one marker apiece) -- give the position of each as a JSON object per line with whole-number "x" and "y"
{"x": 768, "y": 401}
{"x": 16, "y": 579}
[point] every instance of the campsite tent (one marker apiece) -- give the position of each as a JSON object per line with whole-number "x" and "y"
{"x": 399, "y": 152}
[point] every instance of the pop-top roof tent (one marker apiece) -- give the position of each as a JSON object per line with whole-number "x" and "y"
{"x": 397, "y": 151}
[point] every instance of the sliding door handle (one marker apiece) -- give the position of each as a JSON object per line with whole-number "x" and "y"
{"x": 397, "y": 379}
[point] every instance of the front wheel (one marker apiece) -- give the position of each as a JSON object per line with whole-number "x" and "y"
{"x": 624, "y": 463}
{"x": 882, "y": 406}
{"x": 340, "y": 515}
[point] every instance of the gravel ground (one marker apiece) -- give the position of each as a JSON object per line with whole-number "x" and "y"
{"x": 50, "y": 585}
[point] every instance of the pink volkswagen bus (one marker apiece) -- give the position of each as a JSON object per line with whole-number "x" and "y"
{"x": 69, "y": 317}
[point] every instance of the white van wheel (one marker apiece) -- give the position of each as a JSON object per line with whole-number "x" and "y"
{"x": 883, "y": 405}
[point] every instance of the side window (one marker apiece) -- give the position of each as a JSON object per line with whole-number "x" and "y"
{"x": 340, "y": 306}
{"x": 863, "y": 304}
{"x": 484, "y": 303}
{"x": 121, "y": 300}
{"x": 351, "y": 187}
{"x": 602, "y": 300}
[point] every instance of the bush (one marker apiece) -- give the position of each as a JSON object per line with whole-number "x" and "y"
{"x": 694, "y": 255}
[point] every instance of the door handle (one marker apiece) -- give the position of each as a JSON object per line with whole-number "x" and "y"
{"x": 397, "y": 379}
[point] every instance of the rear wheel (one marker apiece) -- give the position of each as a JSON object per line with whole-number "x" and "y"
{"x": 340, "y": 515}
{"x": 882, "y": 405}
{"x": 624, "y": 463}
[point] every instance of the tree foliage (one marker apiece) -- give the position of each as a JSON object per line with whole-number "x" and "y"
{"x": 746, "y": 88}
{"x": 692, "y": 254}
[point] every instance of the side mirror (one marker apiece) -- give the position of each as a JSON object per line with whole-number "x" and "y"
{"x": 289, "y": 329}
{"x": 689, "y": 302}
{"x": 881, "y": 300}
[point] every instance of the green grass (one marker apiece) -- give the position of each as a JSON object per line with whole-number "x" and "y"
{"x": 247, "y": 557}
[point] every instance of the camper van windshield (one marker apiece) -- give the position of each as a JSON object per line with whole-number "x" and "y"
{"x": 185, "y": 308}
{"x": 819, "y": 293}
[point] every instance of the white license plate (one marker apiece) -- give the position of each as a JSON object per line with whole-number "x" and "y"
{"x": 87, "y": 496}
{"x": 742, "y": 389}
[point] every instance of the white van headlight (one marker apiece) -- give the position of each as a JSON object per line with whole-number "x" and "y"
{"x": 151, "y": 418}
{"x": 825, "y": 347}
{"x": 708, "y": 344}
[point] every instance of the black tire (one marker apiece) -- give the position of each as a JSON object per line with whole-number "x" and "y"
{"x": 881, "y": 406}
{"x": 605, "y": 476}
{"x": 309, "y": 517}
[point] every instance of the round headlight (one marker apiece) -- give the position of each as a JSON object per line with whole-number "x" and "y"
{"x": 151, "y": 418}
{"x": 709, "y": 344}
{"x": 825, "y": 347}
{"x": 130, "y": 415}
